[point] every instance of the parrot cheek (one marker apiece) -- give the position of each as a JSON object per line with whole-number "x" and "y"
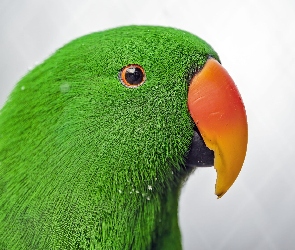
{"x": 217, "y": 109}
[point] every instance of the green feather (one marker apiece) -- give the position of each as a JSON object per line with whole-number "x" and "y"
{"x": 86, "y": 163}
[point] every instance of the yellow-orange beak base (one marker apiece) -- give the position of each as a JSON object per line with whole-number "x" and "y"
{"x": 217, "y": 109}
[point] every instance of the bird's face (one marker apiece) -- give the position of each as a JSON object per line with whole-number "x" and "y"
{"x": 143, "y": 91}
{"x": 97, "y": 139}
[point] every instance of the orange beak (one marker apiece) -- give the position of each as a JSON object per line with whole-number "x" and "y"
{"x": 218, "y": 111}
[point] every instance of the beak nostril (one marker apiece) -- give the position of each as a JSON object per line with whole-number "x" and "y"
{"x": 196, "y": 69}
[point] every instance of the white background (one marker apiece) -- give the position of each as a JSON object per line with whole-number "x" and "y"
{"x": 256, "y": 42}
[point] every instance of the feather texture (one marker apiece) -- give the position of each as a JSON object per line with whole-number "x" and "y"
{"x": 86, "y": 163}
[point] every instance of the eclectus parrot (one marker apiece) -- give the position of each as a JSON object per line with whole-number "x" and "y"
{"x": 96, "y": 141}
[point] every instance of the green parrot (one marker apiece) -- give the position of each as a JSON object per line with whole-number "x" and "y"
{"x": 96, "y": 141}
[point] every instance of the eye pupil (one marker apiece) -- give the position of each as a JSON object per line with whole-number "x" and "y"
{"x": 134, "y": 75}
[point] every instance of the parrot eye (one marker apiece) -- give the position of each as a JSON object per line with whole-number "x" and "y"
{"x": 132, "y": 75}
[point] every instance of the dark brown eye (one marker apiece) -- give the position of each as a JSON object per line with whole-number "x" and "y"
{"x": 132, "y": 75}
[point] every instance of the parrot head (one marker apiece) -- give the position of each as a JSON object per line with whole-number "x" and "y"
{"x": 152, "y": 90}
{"x": 108, "y": 127}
